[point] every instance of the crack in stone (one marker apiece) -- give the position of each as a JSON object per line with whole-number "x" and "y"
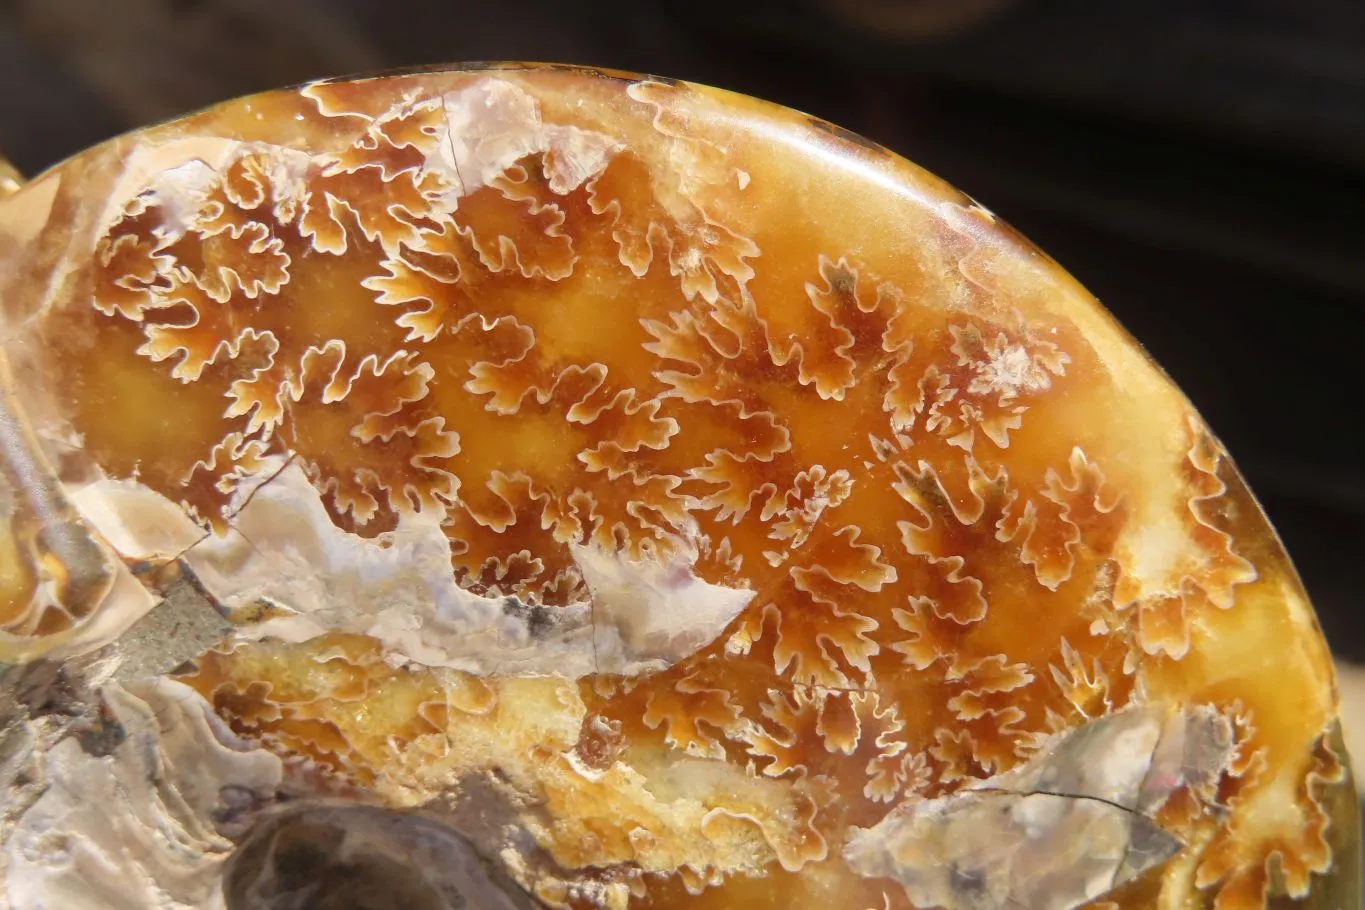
{"x": 1086, "y": 799}
{"x": 1062, "y": 795}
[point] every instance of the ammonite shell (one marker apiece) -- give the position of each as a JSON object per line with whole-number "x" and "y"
{"x": 534, "y": 486}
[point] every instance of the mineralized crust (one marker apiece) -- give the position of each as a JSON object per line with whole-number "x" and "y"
{"x": 546, "y": 309}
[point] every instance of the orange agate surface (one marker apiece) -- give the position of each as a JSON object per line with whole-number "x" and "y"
{"x": 546, "y": 311}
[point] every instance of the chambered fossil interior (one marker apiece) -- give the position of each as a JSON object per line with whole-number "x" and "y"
{"x": 526, "y": 486}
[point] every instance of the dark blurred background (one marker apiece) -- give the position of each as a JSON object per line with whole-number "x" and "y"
{"x": 1199, "y": 164}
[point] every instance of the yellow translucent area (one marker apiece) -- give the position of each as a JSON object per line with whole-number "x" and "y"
{"x": 18, "y": 585}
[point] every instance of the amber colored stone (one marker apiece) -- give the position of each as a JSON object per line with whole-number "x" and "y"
{"x": 735, "y": 513}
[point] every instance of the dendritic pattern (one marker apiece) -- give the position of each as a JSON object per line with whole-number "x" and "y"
{"x": 726, "y": 493}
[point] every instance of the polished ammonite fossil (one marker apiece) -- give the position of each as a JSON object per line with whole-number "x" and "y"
{"x": 524, "y": 486}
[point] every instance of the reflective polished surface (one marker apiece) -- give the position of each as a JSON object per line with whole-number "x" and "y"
{"x": 537, "y": 486}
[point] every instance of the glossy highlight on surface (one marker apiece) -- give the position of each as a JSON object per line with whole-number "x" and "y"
{"x": 673, "y": 499}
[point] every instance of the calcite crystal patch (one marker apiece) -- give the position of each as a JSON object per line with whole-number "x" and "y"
{"x": 527, "y": 486}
